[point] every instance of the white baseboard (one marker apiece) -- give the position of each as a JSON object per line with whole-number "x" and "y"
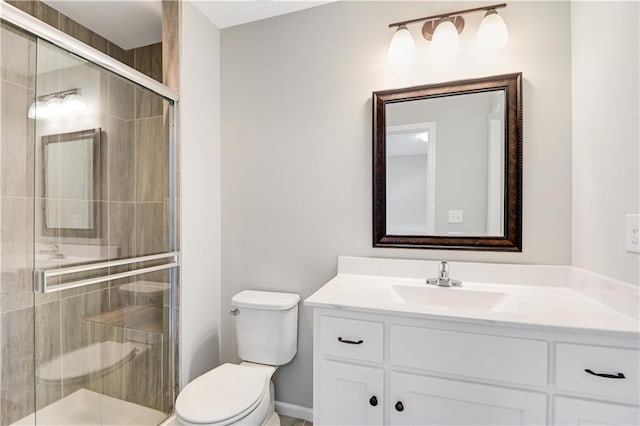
{"x": 296, "y": 411}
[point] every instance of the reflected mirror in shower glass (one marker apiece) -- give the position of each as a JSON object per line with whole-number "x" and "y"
{"x": 71, "y": 172}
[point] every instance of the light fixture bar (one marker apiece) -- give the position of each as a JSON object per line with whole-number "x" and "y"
{"x": 60, "y": 94}
{"x": 446, "y": 15}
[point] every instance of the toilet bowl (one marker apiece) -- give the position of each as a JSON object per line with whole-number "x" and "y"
{"x": 228, "y": 394}
{"x": 266, "y": 334}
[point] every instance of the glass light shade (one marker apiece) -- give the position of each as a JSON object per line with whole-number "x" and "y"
{"x": 445, "y": 40}
{"x": 402, "y": 47}
{"x": 74, "y": 103}
{"x": 493, "y": 33}
{"x": 32, "y": 111}
{"x": 39, "y": 111}
{"x": 55, "y": 108}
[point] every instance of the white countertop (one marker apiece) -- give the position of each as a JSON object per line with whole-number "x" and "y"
{"x": 518, "y": 304}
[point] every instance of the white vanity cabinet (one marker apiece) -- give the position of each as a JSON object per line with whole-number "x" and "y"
{"x": 402, "y": 370}
{"x": 425, "y": 400}
{"x": 352, "y": 394}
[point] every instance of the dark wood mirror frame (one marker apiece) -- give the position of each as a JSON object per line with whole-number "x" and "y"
{"x": 512, "y": 239}
{"x": 91, "y": 134}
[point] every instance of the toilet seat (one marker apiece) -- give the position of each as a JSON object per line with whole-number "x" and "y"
{"x": 223, "y": 395}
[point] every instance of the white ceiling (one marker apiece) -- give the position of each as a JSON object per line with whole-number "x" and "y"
{"x": 135, "y": 23}
{"x": 128, "y": 24}
{"x": 228, "y": 13}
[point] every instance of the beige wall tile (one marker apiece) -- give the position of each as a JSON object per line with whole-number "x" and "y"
{"x": 121, "y": 164}
{"x": 148, "y": 60}
{"x": 147, "y": 104}
{"x": 17, "y": 57}
{"x": 143, "y": 384}
{"x": 152, "y": 182}
{"x": 122, "y": 230}
{"x": 16, "y": 234}
{"x": 16, "y": 136}
{"x": 47, "y": 347}
{"x": 17, "y": 385}
{"x": 121, "y": 98}
{"x": 83, "y": 34}
{"x": 124, "y": 56}
{"x": 151, "y": 229}
{"x": 39, "y": 10}
{"x": 171, "y": 43}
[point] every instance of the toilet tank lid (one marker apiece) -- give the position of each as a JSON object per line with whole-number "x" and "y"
{"x": 266, "y": 300}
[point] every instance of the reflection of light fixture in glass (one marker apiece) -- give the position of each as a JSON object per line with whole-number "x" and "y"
{"x": 58, "y": 104}
{"x": 493, "y": 33}
{"x": 424, "y": 136}
{"x": 443, "y": 29}
{"x": 55, "y": 107}
{"x": 402, "y": 46}
{"x": 73, "y": 102}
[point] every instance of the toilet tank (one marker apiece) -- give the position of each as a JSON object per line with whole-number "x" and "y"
{"x": 266, "y": 326}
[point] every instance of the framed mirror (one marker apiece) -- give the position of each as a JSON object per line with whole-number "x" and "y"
{"x": 447, "y": 165}
{"x": 71, "y": 184}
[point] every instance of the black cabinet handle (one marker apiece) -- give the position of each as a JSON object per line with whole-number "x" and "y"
{"x": 605, "y": 375}
{"x": 351, "y": 342}
{"x": 373, "y": 401}
{"x": 399, "y": 406}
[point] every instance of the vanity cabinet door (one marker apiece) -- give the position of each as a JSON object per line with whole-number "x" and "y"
{"x": 423, "y": 400}
{"x": 350, "y": 394}
{"x": 576, "y": 412}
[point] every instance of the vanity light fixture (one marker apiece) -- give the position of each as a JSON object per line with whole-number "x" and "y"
{"x": 493, "y": 33}
{"x": 402, "y": 47}
{"x": 57, "y": 104}
{"x": 446, "y": 38}
{"x": 443, "y": 31}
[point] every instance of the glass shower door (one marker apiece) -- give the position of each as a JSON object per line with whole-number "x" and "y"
{"x": 17, "y": 88}
{"x": 103, "y": 245}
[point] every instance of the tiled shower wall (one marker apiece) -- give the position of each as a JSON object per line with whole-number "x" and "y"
{"x": 135, "y": 208}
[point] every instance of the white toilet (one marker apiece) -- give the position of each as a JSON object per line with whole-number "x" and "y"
{"x": 267, "y": 336}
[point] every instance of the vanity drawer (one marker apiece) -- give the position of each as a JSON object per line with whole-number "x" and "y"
{"x": 348, "y": 338}
{"x": 468, "y": 354}
{"x": 572, "y": 361}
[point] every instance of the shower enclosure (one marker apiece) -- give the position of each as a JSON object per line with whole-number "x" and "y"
{"x": 88, "y": 256}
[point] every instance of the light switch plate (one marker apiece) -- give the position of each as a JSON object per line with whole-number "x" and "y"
{"x": 455, "y": 216}
{"x": 632, "y": 233}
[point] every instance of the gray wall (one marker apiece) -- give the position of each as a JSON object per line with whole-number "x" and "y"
{"x": 606, "y": 154}
{"x": 200, "y": 194}
{"x": 296, "y": 144}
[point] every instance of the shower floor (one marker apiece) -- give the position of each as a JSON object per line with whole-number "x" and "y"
{"x": 85, "y": 407}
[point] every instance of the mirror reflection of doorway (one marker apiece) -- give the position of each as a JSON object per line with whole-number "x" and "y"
{"x": 411, "y": 174}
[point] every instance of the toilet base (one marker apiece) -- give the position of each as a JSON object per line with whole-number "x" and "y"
{"x": 274, "y": 420}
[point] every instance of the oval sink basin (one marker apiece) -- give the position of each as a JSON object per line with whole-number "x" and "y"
{"x": 448, "y": 297}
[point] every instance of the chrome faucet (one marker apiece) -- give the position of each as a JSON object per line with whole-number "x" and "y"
{"x": 443, "y": 279}
{"x": 53, "y": 251}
